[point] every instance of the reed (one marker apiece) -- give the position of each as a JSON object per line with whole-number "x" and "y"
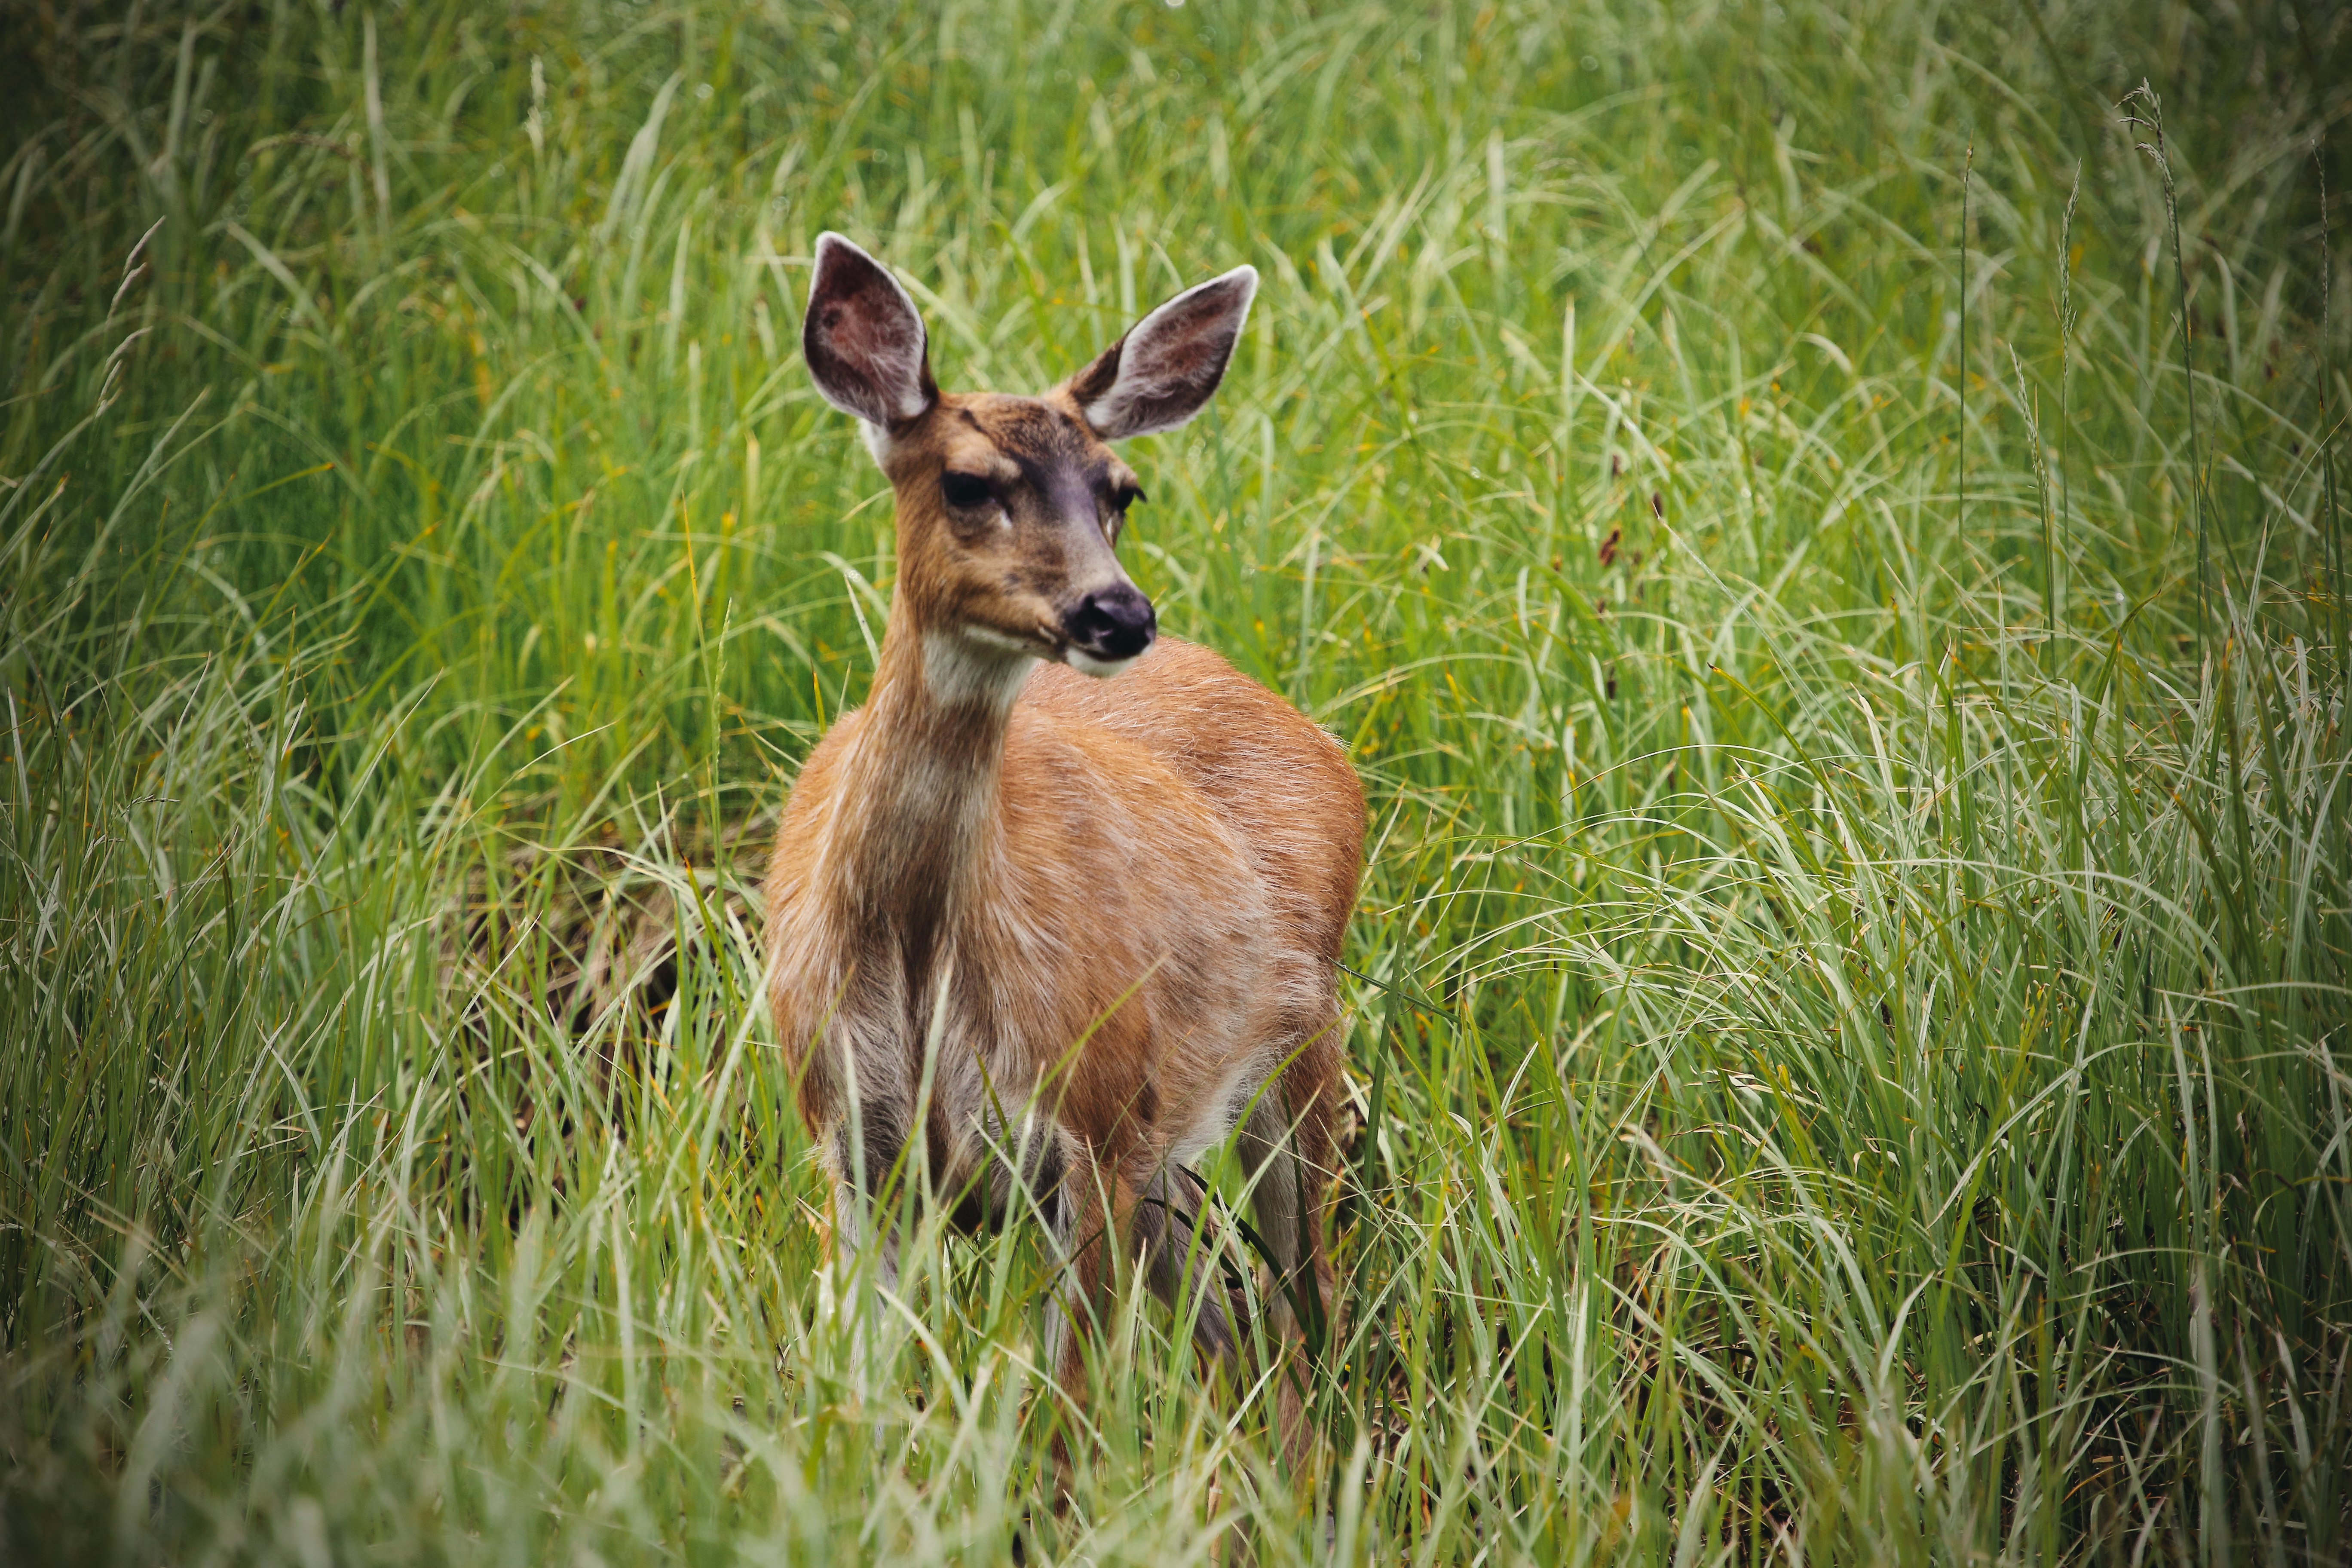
{"x": 1848, "y": 1041}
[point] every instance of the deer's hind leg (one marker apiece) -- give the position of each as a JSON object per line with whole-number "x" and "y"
{"x": 1285, "y": 1148}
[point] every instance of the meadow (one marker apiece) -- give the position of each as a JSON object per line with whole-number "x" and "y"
{"x": 1823, "y": 527}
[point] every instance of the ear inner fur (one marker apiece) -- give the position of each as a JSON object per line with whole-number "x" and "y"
{"x": 865, "y": 344}
{"x": 1170, "y": 363}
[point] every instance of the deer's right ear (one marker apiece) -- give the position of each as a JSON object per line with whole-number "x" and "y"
{"x": 864, "y": 343}
{"x": 1162, "y": 372}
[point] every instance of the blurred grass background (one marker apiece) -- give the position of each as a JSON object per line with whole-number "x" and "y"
{"x": 1820, "y": 524}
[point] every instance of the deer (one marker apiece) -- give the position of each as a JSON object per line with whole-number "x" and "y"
{"x": 1059, "y": 907}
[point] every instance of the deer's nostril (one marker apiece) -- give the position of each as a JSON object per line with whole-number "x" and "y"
{"x": 1112, "y": 623}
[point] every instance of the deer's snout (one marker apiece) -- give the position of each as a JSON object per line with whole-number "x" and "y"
{"x": 1109, "y": 628}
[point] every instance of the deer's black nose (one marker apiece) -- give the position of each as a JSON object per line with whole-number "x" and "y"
{"x": 1116, "y": 622}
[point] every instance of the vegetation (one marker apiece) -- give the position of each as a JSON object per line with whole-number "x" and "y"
{"x": 1823, "y": 527}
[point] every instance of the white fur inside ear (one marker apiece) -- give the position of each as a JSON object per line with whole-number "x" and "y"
{"x": 877, "y": 441}
{"x": 1173, "y": 360}
{"x": 872, "y": 360}
{"x": 904, "y": 369}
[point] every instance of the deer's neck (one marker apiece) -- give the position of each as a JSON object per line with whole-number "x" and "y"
{"x": 921, "y": 829}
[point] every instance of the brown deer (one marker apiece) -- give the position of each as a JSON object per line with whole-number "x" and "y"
{"x": 1037, "y": 939}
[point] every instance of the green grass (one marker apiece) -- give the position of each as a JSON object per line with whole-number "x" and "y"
{"x": 1853, "y": 707}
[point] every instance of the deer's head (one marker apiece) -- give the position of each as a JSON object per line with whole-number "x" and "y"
{"x": 1009, "y": 507}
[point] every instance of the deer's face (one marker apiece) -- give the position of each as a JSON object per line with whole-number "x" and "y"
{"x": 1009, "y": 507}
{"x": 1009, "y": 510}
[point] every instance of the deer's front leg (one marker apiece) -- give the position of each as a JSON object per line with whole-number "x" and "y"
{"x": 1093, "y": 1211}
{"x": 869, "y": 1194}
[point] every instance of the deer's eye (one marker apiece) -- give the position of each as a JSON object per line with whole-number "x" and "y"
{"x": 965, "y": 491}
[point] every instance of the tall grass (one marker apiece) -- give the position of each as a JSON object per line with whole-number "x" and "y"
{"x": 1850, "y": 1041}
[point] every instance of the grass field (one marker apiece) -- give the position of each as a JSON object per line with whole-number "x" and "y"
{"x": 1820, "y": 525}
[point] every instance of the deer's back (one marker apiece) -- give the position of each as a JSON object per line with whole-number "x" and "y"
{"x": 1280, "y": 783}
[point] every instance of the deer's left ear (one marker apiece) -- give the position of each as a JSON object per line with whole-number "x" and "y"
{"x": 862, "y": 340}
{"x": 1170, "y": 363}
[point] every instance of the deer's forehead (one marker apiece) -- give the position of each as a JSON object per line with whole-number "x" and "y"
{"x": 1025, "y": 428}
{"x": 1044, "y": 442}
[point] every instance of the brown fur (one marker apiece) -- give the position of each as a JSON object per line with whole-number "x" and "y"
{"x": 1116, "y": 905}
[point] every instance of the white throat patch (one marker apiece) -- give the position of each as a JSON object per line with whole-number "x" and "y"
{"x": 1086, "y": 663}
{"x": 975, "y": 666}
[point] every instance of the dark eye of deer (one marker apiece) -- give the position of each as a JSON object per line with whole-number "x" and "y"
{"x": 1115, "y": 520}
{"x": 965, "y": 491}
